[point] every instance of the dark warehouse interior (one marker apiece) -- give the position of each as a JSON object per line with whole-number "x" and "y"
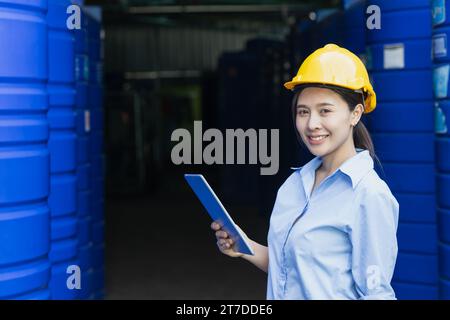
{"x": 165, "y": 65}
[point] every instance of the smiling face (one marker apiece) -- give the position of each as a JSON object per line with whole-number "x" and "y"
{"x": 324, "y": 121}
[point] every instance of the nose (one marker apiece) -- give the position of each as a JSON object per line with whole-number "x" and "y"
{"x": 313, "y": 121}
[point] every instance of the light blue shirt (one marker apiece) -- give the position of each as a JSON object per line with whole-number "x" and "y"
{"x": 337, "y": 243}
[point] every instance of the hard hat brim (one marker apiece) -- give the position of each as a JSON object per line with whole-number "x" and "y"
{"x": 370, "y": 102}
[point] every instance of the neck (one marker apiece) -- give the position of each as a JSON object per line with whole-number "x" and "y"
{"x": 333, "y": 160}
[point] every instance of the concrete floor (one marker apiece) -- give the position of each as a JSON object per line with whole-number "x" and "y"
{"x": 161, "y": 247}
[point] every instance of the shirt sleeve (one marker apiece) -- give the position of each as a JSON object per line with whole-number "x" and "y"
{"x": 374, "y": 246}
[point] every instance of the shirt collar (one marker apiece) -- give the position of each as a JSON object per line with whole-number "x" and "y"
{"x": 355, "y": 168}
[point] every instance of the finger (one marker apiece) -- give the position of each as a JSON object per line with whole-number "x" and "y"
{"x": 221, "y": 245}
{"x": 221, "y": 234}
{"x": 215, "y": 226}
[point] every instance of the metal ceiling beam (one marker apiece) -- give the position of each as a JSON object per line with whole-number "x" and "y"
{"x": 220, "y": 9}
{"x": 163, "y": 74}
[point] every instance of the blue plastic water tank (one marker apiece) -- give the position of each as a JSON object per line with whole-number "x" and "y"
{"x": 62, "y": 146}
{"x": 417, "y": 208}
{"x": 439, "y": 12}
{"x": 354, "y": 25}
{"x": 440, "y": 44}
{"x": 98, "y": 286}
{"x": 399, "y": 177}
{"x": 408, "y": 233}
{"x": 24, "y": 155}
{"x": 85, "y": 259}
{"x": 416, "y": 54}
{"x": 444, "y": 289}
{"x": 405, "y": 147}
{"x": 43, "y": 294}
{"x": 441, "y": 59}
{"x": 405, "y": 117}
{"x": 444, "y": 260}
{"x": 443, "y": 188}
{"x": 84, "y": 168}
{"x": 331, "y": 29}
{"x": 443, "y": 217}
{"x": 401, "y": 25}
{"x": 415, "y": 291}
{"x": 402, "y": 128}
{"x": 95, "y": 101}
{"x": 389, "y": 89}
{"x": 394, "y": 5}
{"x": 416, "y": 268}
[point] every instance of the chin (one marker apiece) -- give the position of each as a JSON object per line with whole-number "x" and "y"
{"x": 319, "y": 153}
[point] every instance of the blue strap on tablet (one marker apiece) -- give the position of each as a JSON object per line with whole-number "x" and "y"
{"x": 217, "y": 211}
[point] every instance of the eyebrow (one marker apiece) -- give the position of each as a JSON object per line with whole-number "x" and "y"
{"x": 322, "y": 104}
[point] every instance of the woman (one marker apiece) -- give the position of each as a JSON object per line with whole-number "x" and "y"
{"x": 333, "y": 227}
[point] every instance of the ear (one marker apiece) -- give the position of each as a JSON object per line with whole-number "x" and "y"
{"x": 356, "y": 114}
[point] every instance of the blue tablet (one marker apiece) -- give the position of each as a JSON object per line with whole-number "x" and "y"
{"x": 217, "y": 211}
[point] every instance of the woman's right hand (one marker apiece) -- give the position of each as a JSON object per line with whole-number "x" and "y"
{"x": 224, "y": 242}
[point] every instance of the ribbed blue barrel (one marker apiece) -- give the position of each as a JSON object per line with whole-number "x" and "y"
{"x": 441, "y": 59}
{"x": 24, "y": 155}
{"x": 329, "y": 28}
{"x": 43, "y": 294}
{"x": 354, "y": 26}
{"x": 84, "y": 170}
{"x": 62, "y": 146}
{"x": 403, "y": 135}
{"x": 95, "y": 101}
{"x": 354, "y": 22}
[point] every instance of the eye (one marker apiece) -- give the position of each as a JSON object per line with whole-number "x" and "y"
{"x": 302, "y": 112}
{"x": 324, "y": 111}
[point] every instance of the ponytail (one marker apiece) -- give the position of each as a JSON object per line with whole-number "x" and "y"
{"x": 362, "y": 139}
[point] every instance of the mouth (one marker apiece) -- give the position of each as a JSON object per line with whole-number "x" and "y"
{"x": 317, "y": 139}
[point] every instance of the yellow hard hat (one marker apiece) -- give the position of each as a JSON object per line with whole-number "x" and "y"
{"x": 333, "y": 65}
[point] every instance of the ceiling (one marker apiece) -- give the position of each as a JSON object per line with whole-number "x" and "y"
{"x": 212, "y": 13}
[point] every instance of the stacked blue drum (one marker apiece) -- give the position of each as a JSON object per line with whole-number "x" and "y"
{"x": 354, "y": 25}
{"x": 24, "y": 155}
{"x": 402, "y": 129}
{"x": 329, "y": 28}
{"x": 441, "y": 59}
{"x": 354, "y": 22}
{"x": 62, "y": 146}
{"x": 84, "y": 172}
{"x": 95, "y": 101}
